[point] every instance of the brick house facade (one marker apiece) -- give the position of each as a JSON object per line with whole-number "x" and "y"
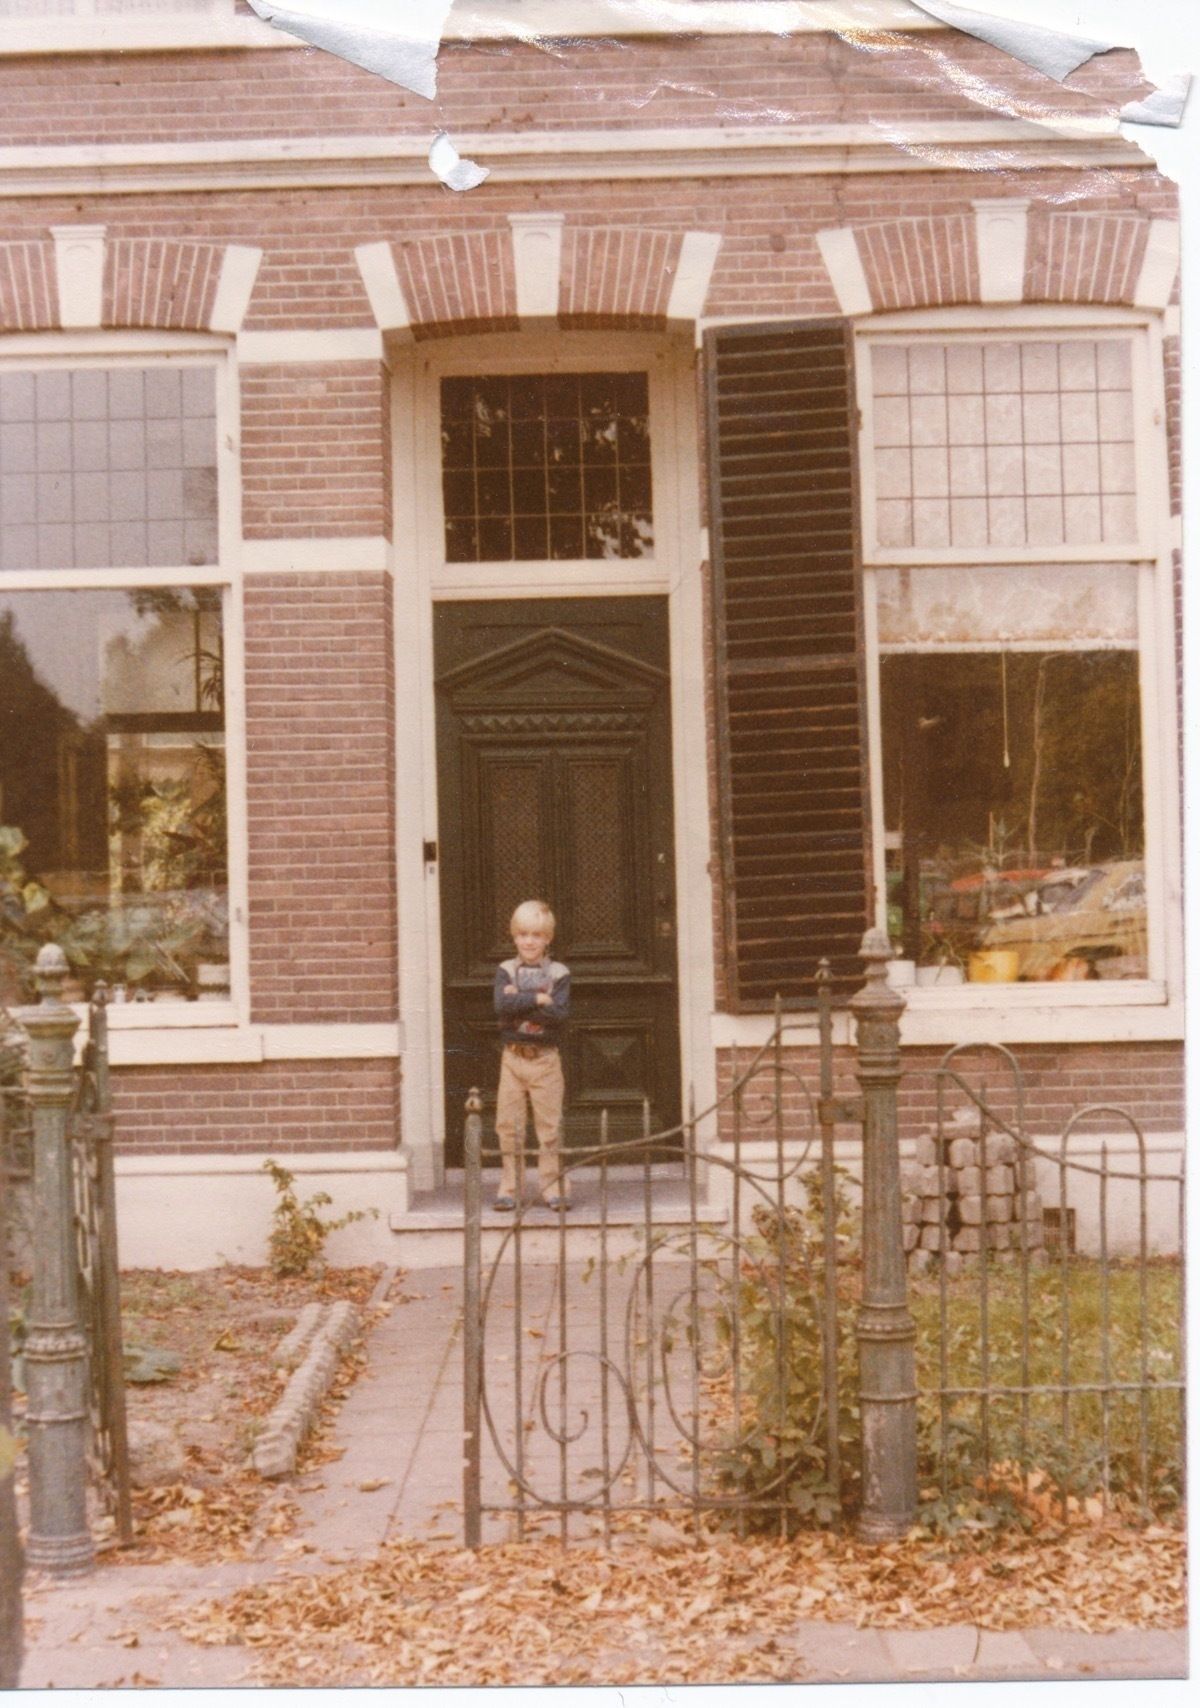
{"x": 668, "y": 218}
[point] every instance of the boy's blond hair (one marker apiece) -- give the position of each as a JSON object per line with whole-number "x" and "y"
{"x": 532, "y": 916}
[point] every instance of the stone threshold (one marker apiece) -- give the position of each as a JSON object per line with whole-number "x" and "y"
{"x": 669, "y": 1205}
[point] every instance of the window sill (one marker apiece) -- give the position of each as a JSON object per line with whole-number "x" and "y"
{"x": 164, "y": 1016}
{"x": 172, "y": 1037}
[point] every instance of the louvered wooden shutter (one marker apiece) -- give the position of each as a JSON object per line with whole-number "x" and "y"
{"x": 791, "y": 713}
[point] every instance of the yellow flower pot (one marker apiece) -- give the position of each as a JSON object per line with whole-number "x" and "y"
{"x": 993, "y": 966}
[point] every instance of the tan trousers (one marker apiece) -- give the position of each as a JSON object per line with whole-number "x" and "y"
{"x": 540, "y": 1078}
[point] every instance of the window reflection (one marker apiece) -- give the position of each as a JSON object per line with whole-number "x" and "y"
{"x": 1013, "y": 814}
{"x": 113, "y": 835}
{"x": 546, "y": 466}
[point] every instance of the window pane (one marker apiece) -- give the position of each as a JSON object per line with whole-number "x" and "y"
{"x": 1030, "y": 442}
{"x": 564, "y": 457}
{"x": 107, "y": 467}
{"x": 926, "y": 606}
{"x": 1013, "y": 813}
{"x": 112, "y": 788}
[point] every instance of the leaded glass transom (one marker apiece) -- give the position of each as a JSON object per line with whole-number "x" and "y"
{"x": 546, "y": 466}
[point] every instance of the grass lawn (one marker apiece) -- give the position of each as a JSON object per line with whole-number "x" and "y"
{"x": 1105, "y": 1334}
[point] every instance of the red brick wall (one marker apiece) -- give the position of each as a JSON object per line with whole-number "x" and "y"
{"x": 320, "y": 692}
{"x": 275, "y": 1107}
{"x": 1146, "y": 1079}
{"x": 316, "y": 457}
{"x": 511, "y": 86}
{"x": 320, "y": 775}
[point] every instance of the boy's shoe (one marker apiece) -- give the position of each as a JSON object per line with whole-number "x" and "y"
{"x": 557, "y": 1203}
{"x": 504, "y": 1202}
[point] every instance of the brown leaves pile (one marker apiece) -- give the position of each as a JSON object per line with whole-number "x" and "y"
{"x": 206, "y": 1525}
{"x": 536, "y": 1613}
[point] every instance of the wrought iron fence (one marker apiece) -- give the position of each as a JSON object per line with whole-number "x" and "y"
{"x": 1055, "y": 1335}
{"x": 756, "y": 1336}
{"x": 91, "y": 1242}
{"x": 90, "y": 1132}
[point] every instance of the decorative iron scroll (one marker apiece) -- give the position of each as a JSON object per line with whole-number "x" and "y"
{"x": 654, "y": 1370}
{"x": 90, "y": 1132}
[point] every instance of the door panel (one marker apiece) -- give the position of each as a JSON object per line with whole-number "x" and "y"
{"x": 554, "y": 780}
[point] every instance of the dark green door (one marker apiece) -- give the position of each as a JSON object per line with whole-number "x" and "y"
{"x": 554, "y": 781}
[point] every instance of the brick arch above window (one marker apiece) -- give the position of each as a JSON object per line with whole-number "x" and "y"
{"x": 79, "y": 278}
{"x": 160, "y": 282}
{"x": 1002, "y": 250}
{"x": 28, "y": 287}
{"x": 539, "y": 272}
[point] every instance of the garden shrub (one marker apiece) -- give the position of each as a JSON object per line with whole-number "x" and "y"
{"x": 1027, "y": 1469}
{"x": 298, "y": 1230}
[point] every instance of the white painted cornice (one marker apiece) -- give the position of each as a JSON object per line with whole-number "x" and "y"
{"x": 472, "y": 20}
{"x": 563, "y": 156}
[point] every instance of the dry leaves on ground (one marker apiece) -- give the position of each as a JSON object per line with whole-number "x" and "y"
{"x": 223, "y": 1323}
{"x": 535, "y": 1613}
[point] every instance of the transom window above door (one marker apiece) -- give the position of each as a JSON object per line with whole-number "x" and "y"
{"x": 539, "y": 467}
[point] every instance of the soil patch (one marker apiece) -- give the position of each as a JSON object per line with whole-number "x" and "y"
{"x": 220, "y": 1327}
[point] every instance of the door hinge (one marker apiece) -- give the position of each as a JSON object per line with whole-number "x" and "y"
{"x": 430, "y": 853}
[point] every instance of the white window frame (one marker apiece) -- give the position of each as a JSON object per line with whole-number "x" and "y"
{"x": 1152, "y": 556}
{"x": 424, "y": 577}
{"x": 161, "y": 349}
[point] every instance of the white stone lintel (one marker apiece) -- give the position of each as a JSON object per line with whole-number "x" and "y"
{"x": 312, "y": 344}
{"x": 1001, "y": 240}
{"x": 239, "y": 270}
{"x": 843, "y": 263}
{"x": 537, "y": 265}
{"x": 1160, "y": 264}
{"x": 693, "y": 275}
{"x": 377, "y": 264}
{"x": 79, "y": 267}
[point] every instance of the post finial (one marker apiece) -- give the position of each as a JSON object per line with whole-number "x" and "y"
{"x": 50, "y": 972}
{"x": 876, "y": 996}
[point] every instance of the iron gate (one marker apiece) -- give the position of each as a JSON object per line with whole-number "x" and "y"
{"x": 684, "y": 1363}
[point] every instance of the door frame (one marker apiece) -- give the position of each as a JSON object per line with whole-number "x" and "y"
{"x": 421, "y": 578}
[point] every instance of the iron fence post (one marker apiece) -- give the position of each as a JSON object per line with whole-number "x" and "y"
{"x": 884, "y": 1328}
{"x": 472, "y": 1349}
{"x": 55, "y": 1350}
{"x": 12, "y": 1622}
{"x": 110, "y": 1349}
{"x": 829, "y": 1341}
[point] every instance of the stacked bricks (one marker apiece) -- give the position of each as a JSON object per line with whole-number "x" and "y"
{"x": 972, "y": 1202}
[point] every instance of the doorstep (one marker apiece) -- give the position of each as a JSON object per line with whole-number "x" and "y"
{"x": 431, "y": 1230}
{"x": 669, "y": 1206}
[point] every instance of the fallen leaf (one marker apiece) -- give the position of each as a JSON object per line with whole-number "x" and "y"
{"x": 370, "y": 1484}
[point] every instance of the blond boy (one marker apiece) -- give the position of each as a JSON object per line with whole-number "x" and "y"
{"x": 532, "y": 999}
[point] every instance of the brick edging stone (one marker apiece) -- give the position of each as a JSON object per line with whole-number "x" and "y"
{"x": 275, "y": 1450}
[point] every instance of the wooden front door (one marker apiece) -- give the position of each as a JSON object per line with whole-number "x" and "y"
{"x": 554, "y": 781}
